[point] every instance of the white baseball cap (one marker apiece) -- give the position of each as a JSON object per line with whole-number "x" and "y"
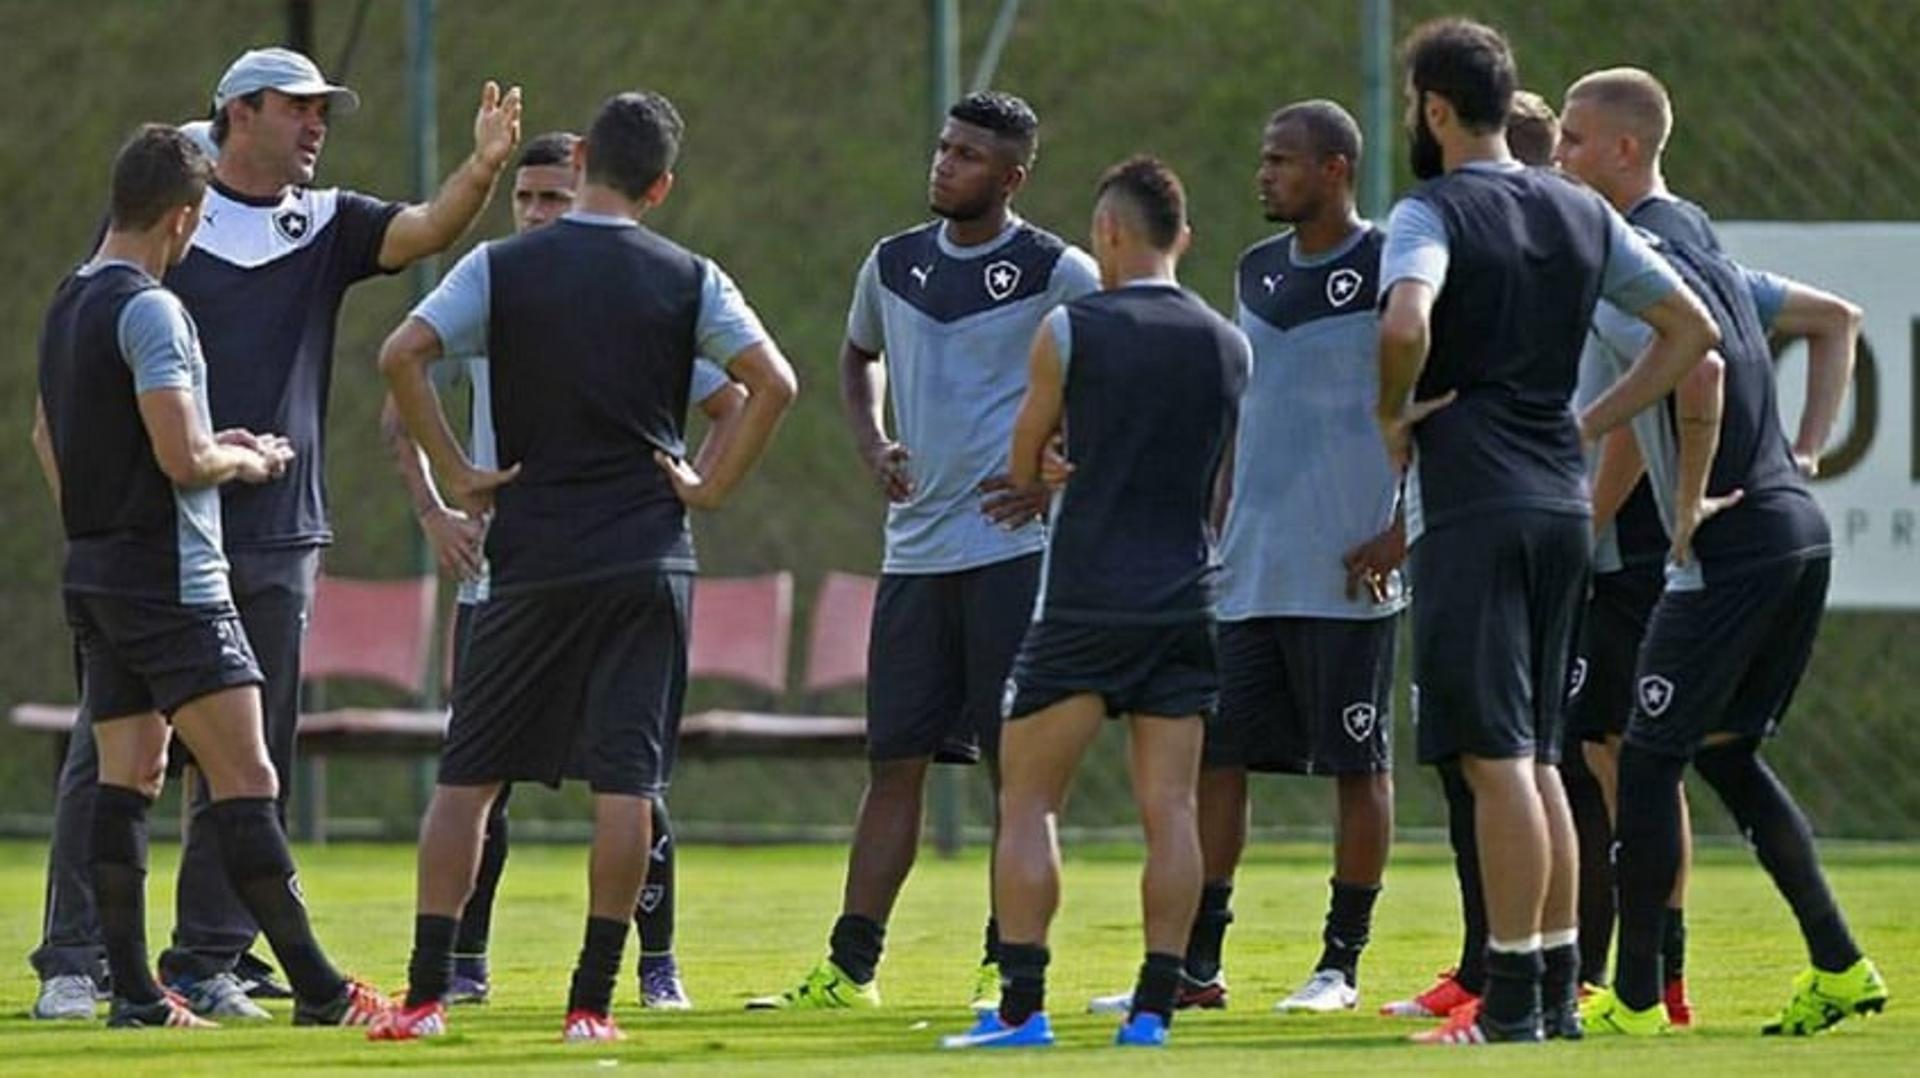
{"x": 283, "y": 70}
{"x": 201, "y": 132}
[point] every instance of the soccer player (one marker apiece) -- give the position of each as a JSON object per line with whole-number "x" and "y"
{"x": 545, "y": 183}
{"x": 135, "y": 467}
{"x": 1630, "y": 553}
{"x": 1309, "y": 585}
{"x": 1729, "y": 637}
{"x": 263, "y": 280}
{"x": 590, "y": 326}
{"x": 1145, "y": 379}
{"x": 1490, "y": 275}
{"x": 941, "y": 319}
{"x": 1532, "y": 130}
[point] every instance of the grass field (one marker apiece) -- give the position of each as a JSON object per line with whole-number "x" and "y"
{"x": 753, "y": 920}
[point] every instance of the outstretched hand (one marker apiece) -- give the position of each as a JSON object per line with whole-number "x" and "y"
{"x": 496, "y": 125}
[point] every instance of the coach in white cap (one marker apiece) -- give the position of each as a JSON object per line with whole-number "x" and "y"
{"x": 264, "y": 279}
{"x": 286, "y": 71}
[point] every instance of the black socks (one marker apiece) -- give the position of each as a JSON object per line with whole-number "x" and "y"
{"x": 431, "y": 966}
{"x": 1673, "y": 945}
{"x": 1023, "y": 981}
{"x": 1157, "y": 987}
{"x": 1649, "y": 861}
{"x": 855, "y": 945}
{"x": 599, "y": 966}
{"x": 476, "y": 920}
{"x": 253, "y": 846}
{"x": 120, "y": 889}
{"x": 1783, "y": 840}
{"x": 1560, "y": 978}
{"x": 1349, "y": 922}
{"x": 1595, "y": 831}
{"x": 1512, "y": 1000}
{"x": 654, "y": 914}
{"x": 1209, "y": 932}
{"x": 1472, "y": 970}
{"x": 990, "y": 943}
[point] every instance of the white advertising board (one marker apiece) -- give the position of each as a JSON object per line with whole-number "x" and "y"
{"x": 1870, "y": 481}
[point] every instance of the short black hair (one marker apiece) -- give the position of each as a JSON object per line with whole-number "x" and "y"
{"x": 1006, "y": 116}
{"x": 1469, "y": 64}
{"x": 552, "y": 148}
{"x": 217, "y": 129}
{"x": 1153, "y": 192}
{"x": 158, "y": 170}
{"x": 1330, "y": 129}
{"x": 633, "y": 141}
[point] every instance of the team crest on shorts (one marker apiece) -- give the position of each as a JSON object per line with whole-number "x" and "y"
{"x": 292, "y": 224}
{"x": 1656, "y": 693}
{"x": 1578, "y": 677}
{"x": 1359, "y": 719}
{"x": 1002, "y": 278}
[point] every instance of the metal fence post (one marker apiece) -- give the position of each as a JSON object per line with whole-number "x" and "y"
{"x": 1376, "y": 63}
{"x": 423, "y": 86}
{"x": 943, "y": 87}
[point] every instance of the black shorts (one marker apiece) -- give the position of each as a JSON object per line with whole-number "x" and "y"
{"x": 602, "y": 663}
{"x": 1727, "y": 658}
{"x": 937, "y": 655}
{"x": 144, "y": 655}
{"x": 1307, "y": 696}
{"x": 1165, "y": 670}
{"x": 1600, "y": 685}
{"x": 1496, "y": 603}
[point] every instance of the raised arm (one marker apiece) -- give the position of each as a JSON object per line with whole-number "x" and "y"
{"x": 431, "y": 227}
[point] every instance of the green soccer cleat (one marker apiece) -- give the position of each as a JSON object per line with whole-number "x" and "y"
{"x": 826, "y": 988}
{"x": 1821, "y": 999}
{"x": 986, "y": 988}
{"x": 1602, "y": 1012}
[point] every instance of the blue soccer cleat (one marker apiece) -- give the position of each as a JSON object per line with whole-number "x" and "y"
{"x": 1143, "y": 1030}
{"x": 991, "y": 1032}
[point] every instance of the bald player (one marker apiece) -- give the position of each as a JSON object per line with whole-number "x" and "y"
{"x": 1729, "y": 637}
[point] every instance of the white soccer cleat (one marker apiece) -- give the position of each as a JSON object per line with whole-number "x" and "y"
{"x": 1326, "y": 992}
